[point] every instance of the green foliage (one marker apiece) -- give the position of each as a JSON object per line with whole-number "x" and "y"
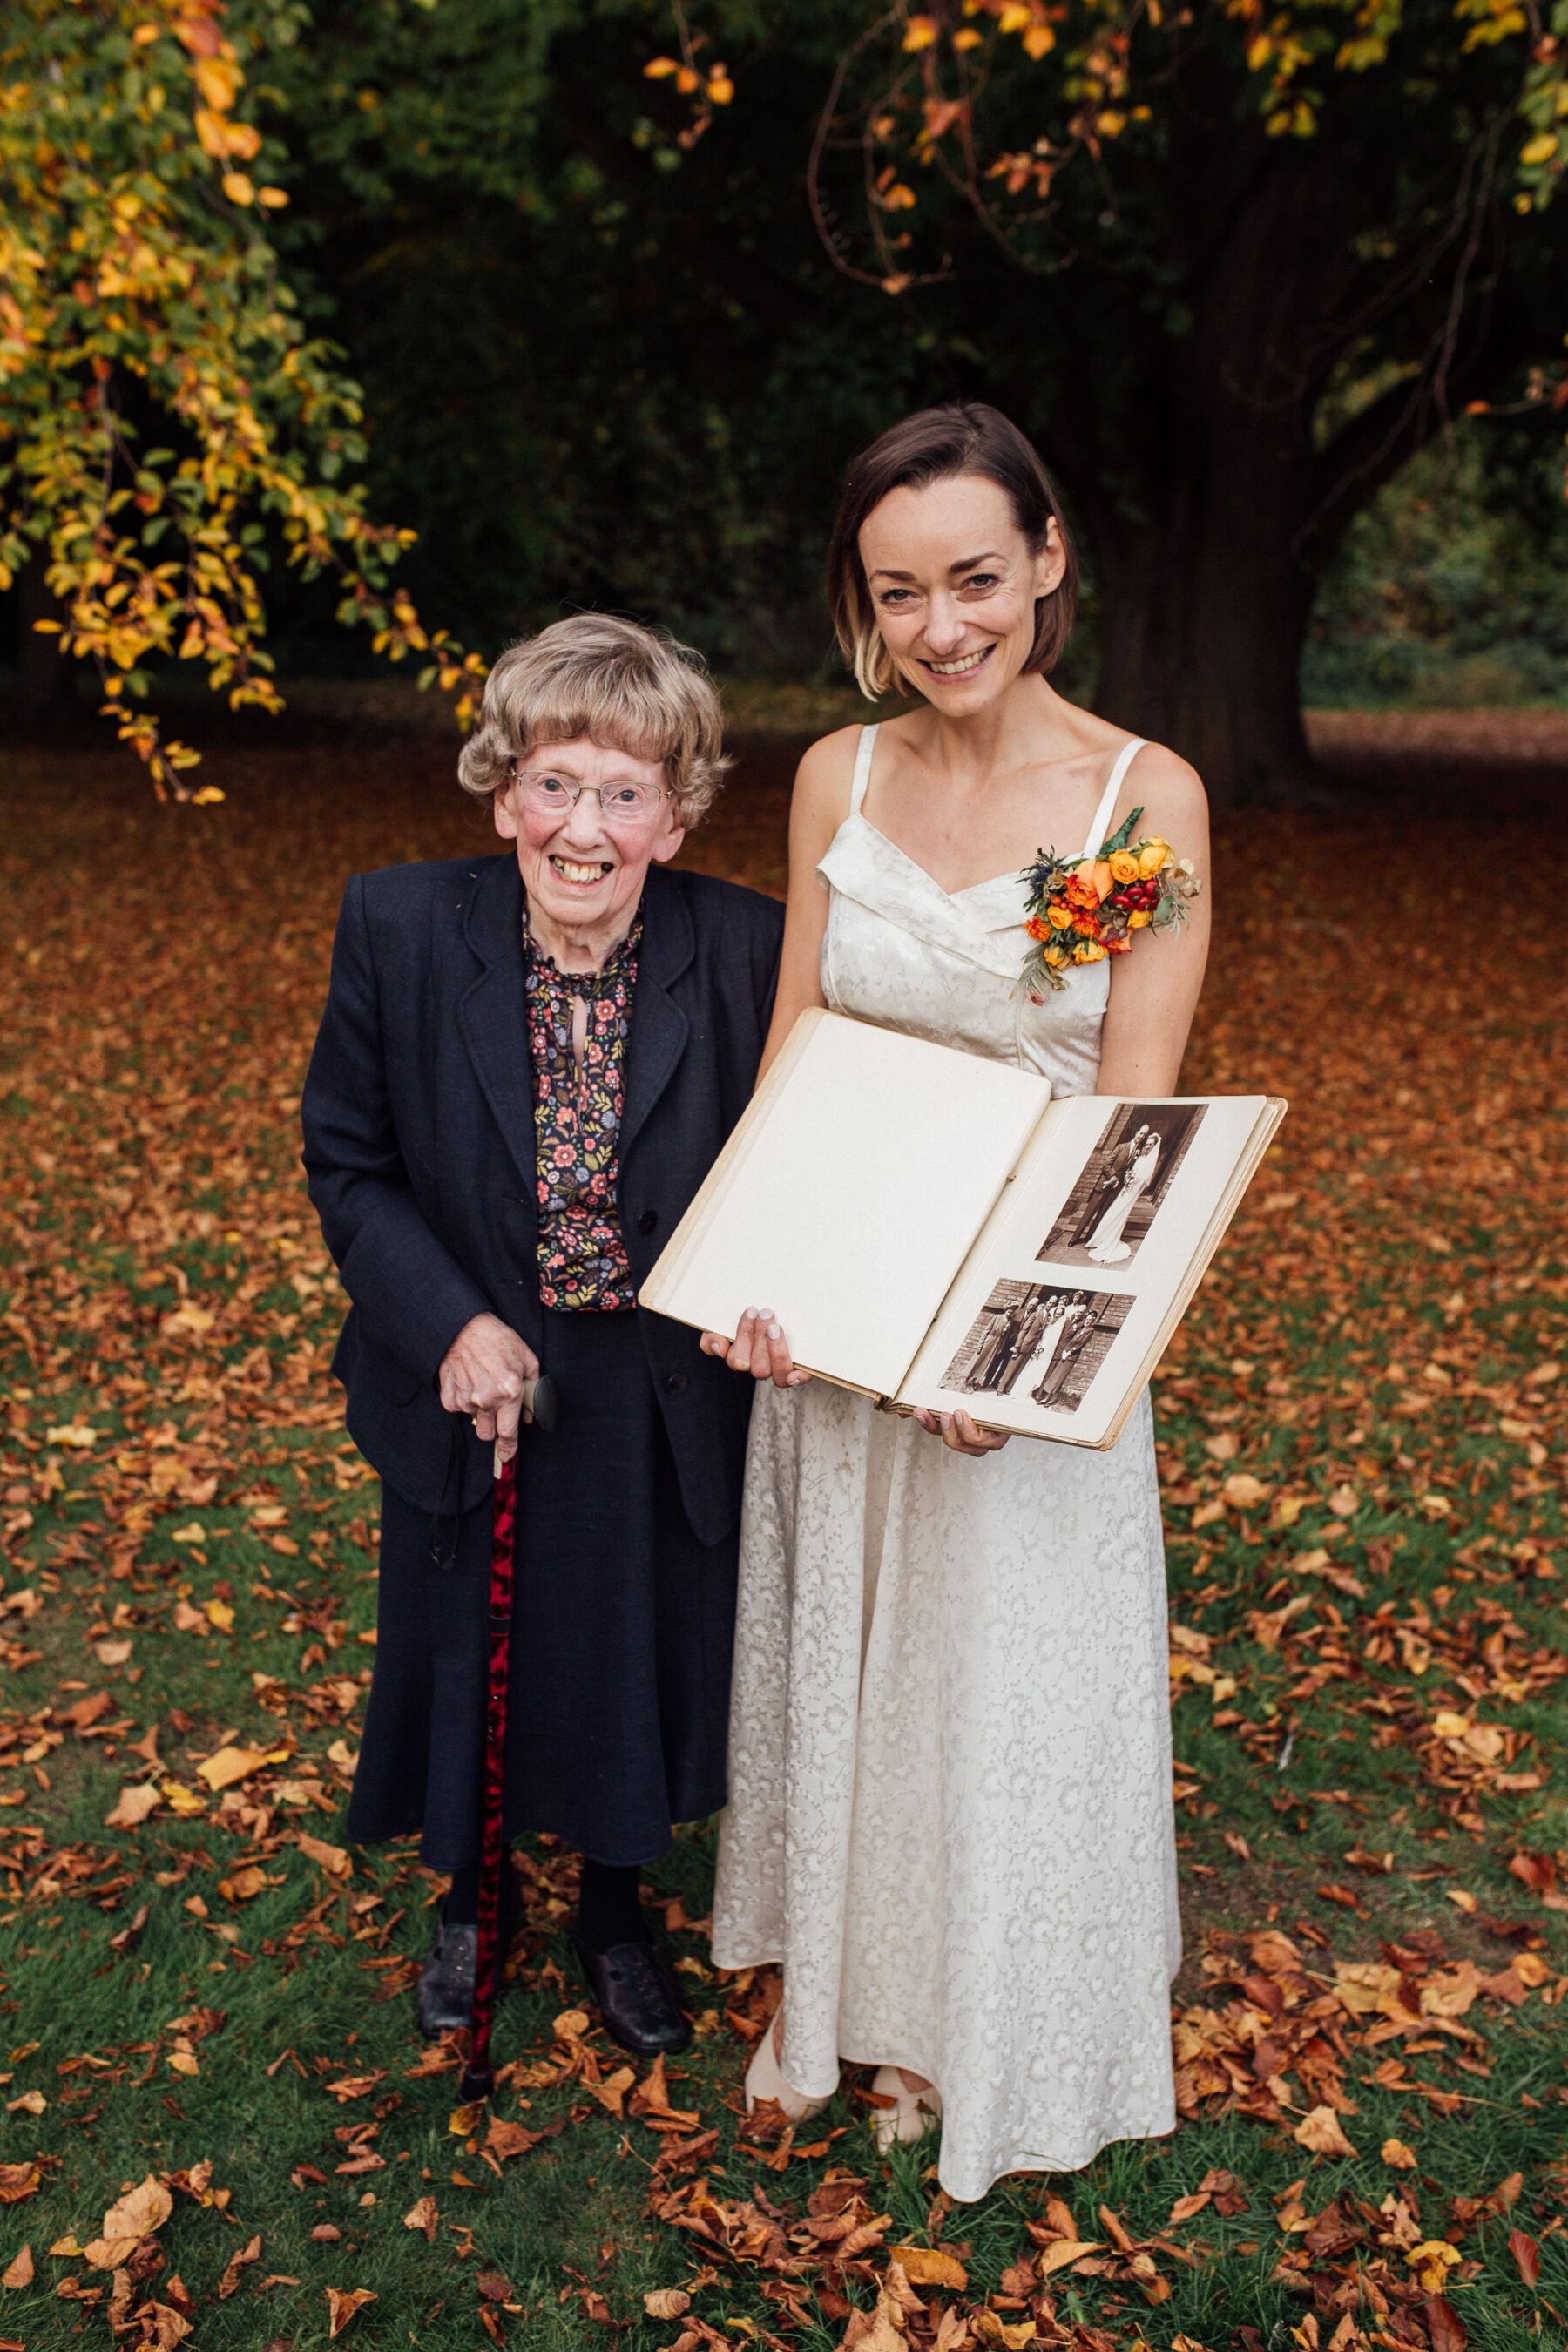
{"x": 1452, "y": 586}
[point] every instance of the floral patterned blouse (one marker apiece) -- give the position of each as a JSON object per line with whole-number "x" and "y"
{"x": 582, "y": 1264}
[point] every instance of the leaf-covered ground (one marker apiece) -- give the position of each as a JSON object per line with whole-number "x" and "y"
{"x": 218, "y": 2121}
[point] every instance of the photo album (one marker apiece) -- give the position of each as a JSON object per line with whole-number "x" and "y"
{"x": 930, "y": 1227}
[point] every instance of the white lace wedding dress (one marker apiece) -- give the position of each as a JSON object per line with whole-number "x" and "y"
{"x": 950, "y": 1758}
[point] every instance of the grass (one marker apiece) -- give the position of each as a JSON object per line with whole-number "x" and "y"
{"x": 1361, "y": 1416}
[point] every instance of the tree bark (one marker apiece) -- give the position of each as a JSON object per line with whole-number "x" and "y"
{"x": 1203, "y": 613}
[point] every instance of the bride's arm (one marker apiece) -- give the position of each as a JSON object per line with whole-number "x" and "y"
{"x": 1154, "y": 988}
{"x": 817, "y": 808}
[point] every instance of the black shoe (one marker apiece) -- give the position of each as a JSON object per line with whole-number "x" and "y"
{"x": 638, "y": 1997}
{"x": 446, "y": 1982}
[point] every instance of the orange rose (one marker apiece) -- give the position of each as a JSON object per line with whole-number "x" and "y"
{"x": 1104, "y": 880}
{"x": 1139, "y": 920}
{"x": 1089, "y": 952}
{"x": 1055, "y": 955}
{"x": 1060, "y": 916}
{"x": 1081, "y": 890}
{"x": 1152, "y": 855}
{"x": 1123, "y": 865}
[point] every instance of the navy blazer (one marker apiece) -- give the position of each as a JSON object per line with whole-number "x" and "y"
{"x": 419, "y": 1147}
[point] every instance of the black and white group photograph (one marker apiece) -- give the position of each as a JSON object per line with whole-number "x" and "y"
{"x": 1033, "y": 1339}
{"x": 1124, "y": 1179}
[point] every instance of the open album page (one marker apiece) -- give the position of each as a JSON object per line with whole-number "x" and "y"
{"x": 849, "y": 1196}
{"x": 1052, "y": 1325}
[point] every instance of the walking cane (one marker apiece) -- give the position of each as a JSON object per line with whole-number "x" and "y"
{"x": 539, "y": 1397}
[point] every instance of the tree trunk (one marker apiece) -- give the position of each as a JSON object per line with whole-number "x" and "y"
{"x": 45, "y": 683}
{"x": 1203, "y": 614}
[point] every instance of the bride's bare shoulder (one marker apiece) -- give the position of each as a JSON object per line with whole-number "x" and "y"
{"x": 826, "y": 774}
{"x": 1167, "y": 786}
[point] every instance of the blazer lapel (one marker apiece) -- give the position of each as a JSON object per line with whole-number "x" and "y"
{"x": 659, "y": 1028}
{"x": 491, "y": 1014}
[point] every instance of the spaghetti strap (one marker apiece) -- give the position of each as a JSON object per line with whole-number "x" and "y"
{"x": 1102, "y": 815}
{"x": 862, "y": 769}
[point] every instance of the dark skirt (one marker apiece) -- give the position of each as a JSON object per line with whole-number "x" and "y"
{"x": 622, "y": 1625}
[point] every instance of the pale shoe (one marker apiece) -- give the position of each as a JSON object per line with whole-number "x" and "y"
{"x": 911, "y": 2113}
{"x": 766, "y": 2079}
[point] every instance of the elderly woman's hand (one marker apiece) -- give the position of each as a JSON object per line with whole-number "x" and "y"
{"x": 482, "y": 1373}
{"x": 760, "y": 1347}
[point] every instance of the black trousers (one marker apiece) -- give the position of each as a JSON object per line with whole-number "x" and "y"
{"x": 623, "y": 1628}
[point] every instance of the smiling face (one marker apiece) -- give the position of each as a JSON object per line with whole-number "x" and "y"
{"x": 953, "y": 586}
{"x": 583, "y": 871}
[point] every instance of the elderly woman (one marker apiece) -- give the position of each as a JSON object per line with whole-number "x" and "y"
{"x": 527, "y": 1065}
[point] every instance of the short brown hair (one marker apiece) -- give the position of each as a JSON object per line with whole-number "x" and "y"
{"x": 613, "y": 681}
{"x": 964, "y": 436}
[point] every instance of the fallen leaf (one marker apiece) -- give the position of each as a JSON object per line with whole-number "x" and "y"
{"x": 31, "y": 2103}
{"x": 332, "y": 1859}
{"x": 422, "y": 2215}
{"x": 1066, "y": 2251}
{"x": 463, "y": 2121}
{"x": 1524, "y": 2248}
{"x": 666, "y": 2302}
{"x": 229, "y": 2281}
{"x": 341, "y": 2306}
{"x": 18, "y": 2272}
{"x": 141, "y": 2212}
{"x": 1396, "y": 2155}
{"x": 1432, "y": 2261}
{"x": 1243, "y": 1489}
{"x": 18, "y": 2180}
{"x": 1320, "y": 2131}
{"x": 931, "y": 2267}
{"x": 612, "y": 2090}
{"x": 133, "y": 1807}
{"x": 112, "y": 1653}
{"x": 355, "y": 2086}
{"x": 232, "y": 1764}
{"x": 220, "y": 1615}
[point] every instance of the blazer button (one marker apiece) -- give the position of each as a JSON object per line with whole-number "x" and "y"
{"x": 676, "y": 1384}
{"x": 647, "y": 1222}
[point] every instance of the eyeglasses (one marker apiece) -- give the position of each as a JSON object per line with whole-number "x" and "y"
{"x": 628, "y": 803}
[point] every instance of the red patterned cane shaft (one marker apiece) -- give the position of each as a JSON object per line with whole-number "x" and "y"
{"x": 478, "y": 2079}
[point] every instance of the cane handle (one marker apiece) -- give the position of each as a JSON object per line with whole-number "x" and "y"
{"x": 542, "y": 1399}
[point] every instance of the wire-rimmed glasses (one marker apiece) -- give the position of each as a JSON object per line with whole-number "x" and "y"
{"x": 629, "y": 802}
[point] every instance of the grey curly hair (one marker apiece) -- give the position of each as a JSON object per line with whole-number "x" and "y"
{"x": 617, "y": 683}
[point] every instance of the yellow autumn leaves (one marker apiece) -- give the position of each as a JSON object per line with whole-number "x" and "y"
{"x": 127, "y": 288}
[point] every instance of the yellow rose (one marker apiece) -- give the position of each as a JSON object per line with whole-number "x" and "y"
{"x": 1152, "y": 855}
{"x": 1123, "y": 865}
{"x": 1059, "y": 916}
{"x": 1139, "y": 920}
{"x": 1089, "y": 952}
{"x": 1055, "y": 955}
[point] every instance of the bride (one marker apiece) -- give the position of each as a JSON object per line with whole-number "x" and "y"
{"x": 950, "y": 1778}
{"x": 1106, "y": 1246}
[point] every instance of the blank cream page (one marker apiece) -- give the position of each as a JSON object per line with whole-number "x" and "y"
{"x": 849, "y": 1196}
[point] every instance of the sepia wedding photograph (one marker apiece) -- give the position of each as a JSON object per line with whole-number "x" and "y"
{"x": 1124, "y": 1180}
{"x": 1033, "y": 1339}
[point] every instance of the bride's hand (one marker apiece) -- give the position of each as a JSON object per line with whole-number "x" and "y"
{"x": 957, "y": 1431}
{"x": 760, "y": 1347}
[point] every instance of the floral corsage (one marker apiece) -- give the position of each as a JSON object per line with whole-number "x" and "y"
{"x": 1082, "y": 909}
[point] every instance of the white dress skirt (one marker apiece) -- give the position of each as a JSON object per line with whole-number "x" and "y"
{"x": 949, "y": 1812}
